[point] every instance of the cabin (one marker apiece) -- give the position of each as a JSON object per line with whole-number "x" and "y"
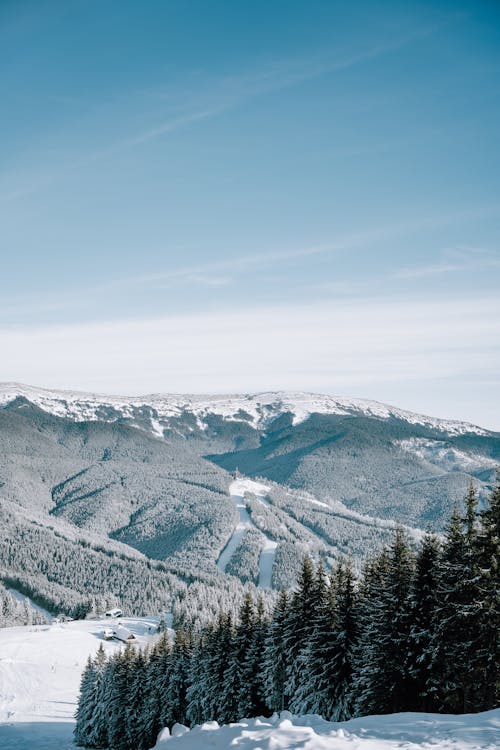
{"x": 122, "y": 634}
{"x": 113, "y": 614}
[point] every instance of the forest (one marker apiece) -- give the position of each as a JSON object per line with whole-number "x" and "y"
{"x": 417, "y": 631}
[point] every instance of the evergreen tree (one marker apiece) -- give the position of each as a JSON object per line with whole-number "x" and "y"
{"x": 383, "y": 684}
{"x": 275, "y": 657}
{"x": 96, "y": 727}
{"x": 136, "y": 704}
{"x": 455, "y": 677}
{"x": 488, "y": 560}
{"x": 423, "y": 603}
{"x": 174, "y": 693}
{"x": 86, "y": 705}
{"x": 341, "y": 666}
{"x": 233, "y": 697}
{"x": 150, "y": 722}
{"x": 123, "y": 665}
{"x": 252, "y": 694}
{"x": 298, "y": 627}
{"x": 311, "y": 693}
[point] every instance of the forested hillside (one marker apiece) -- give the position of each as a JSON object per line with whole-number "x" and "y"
{"x": 113, "y": 501}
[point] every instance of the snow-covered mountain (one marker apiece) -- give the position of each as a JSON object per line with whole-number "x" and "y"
{"x": 258, "y": 410}
{"x": 226, "y": 490}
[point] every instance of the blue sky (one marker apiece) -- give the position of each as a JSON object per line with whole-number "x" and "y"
{"x": 221, "y": 196}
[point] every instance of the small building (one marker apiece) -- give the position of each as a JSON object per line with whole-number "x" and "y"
{"x": 113, "y": 613}
{"x": 122, "y": 634}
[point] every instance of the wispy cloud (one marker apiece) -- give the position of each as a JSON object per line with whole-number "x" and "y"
{"x": 212, "y": 98}
{"x": 455, "y": 260}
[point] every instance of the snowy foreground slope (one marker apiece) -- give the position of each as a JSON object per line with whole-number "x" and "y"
{"x": 286, "y": 732}
{"x": 40, "y": 671}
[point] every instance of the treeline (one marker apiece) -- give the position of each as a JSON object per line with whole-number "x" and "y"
{"x": 14, "y": 612}
{"x": 419, "y": 632}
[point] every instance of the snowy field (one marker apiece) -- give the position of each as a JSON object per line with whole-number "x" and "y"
{"x": 287, "y": 732}
{"x": 40, "y": 670}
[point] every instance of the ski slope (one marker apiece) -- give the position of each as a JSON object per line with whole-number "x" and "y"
{"x": 408, "y": 731}
{"x": 237, "y": 491}
{"x": 40, "y": 671}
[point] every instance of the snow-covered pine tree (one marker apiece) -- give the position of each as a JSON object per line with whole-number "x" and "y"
{"x": 312, "y": 691}
{"x": 86, "y": 704}
{"x": 96, "y": 731}
{"x": 423, "y": 602}
{"x": 382, "y": 681}
{"x": 488, "y": 559}
{"x": 197, "y": 709}
{"x": 136, "y": 704}
{"x": 173, "y": 696}
{"x": 251, "y": 700}
{"x": 299, "y": 626}
{"x": 341, "y": 665}
{"x": 118, "y": 702}
{"x": 454, "y": 673}
{"x": 275, "y": 657}
{"x": 231, "y": 688}
{"x": 149, "y": 722}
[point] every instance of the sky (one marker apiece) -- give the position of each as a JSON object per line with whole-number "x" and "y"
{"x": 222, "y": 196}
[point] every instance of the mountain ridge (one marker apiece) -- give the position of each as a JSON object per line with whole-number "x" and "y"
{"x": 257, "y": 409}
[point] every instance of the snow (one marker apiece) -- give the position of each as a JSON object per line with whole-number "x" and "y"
{"x": 409, "y": 731}
{"x": 266, "y": 562}
{"x": 40, "y": 672}
{"x": 36, "y": 607}
{"x": 256, "y": 409}
{"x": 237, "y": 490}
{"x": 446, "y": 456}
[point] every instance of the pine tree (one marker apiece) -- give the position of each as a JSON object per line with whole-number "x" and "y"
{"x": 423, "y": 603}
{"x": 488, "y": 559}
{"x": 86, "y": 705}
{"x": 123, "y": 663}
{"x": 199, "y": 708}
{"x": 251, "y": 700}
{"x": 341, "y": 666}
{"x": 150, "y": 722}
{"x": 173, "y": 694}
{"x": 454, "y": 678}
{"x": 91, "y": 730}
{"x": 136, "y": 704}
{"x": 275, "y": 657}
{"x": 233, "y": 698}
{"x": 382, "y": 679}
{"x": 298, "y": 627}
{"x": 312, "y": 692}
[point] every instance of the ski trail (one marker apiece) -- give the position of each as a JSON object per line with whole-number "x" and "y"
{"x": 266, "y": 562}
{"x": 244, "y": 523}
{"x": 237, "y": 491}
